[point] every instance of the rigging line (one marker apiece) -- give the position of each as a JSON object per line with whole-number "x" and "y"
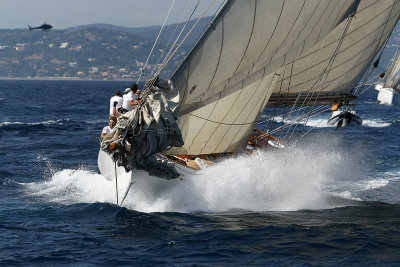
{"x": 288, "y": 88}
{"x": 210, "y": 22}
{"x": 383, "y": 32}
{"x": 332, "y": 61}
{"x": 186, "y": 36}
{"x": 369, "y": 85}
{"x": 326, "y": 70}
{"x": 116, "y": 179}
{"x": 323, "y": 108}
{"x": 158, "y": 36}
{"x": 178, "y": 37}
{"x": 308, "y": 75}
{"x": 392, "y": 61}
{"x": 272, "y": 132}
{"x": 172, "y": 35}
{"x": 301, "y": 137}
{"x": 377, "y": 46}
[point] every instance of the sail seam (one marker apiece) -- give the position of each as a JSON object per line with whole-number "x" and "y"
{"x": 251, "y": 35}
{"x": 288, "y": 34}
{"x": 256, "y": 120}
{"x": 348, "y": 34}
{"x": 244, "y": 106}
{"x": 273, "y": 33}
{"x": 216, "y": 69}
{"x": 220, "y": 52}
{"x": 324, "y": 74}
{"x": 343, "y": 50}
{"x": 306, "y": 24}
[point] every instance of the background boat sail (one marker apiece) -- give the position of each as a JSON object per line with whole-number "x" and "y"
{"x": 389, "y": 90}
{"x": 275, "y": 54}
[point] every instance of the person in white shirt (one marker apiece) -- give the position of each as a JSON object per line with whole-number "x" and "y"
{"x": 111, "y": 123}
{"x": 116, "y": 102}
{"x": 131, "y": 99}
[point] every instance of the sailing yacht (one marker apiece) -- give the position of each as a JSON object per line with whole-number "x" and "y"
{"x": 295, "y": 56}
{"x": 389, "y": 93}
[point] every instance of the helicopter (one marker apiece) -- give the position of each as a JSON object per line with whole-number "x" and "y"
{"x": 44, "y": 27}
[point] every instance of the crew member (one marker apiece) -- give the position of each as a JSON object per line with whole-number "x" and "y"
{"x": 111, "y": 123}
{"x": 116, "y": 102}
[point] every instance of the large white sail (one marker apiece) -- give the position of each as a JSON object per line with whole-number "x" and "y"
{"x": 356, "y": 48}
{"x": 226, "y": 80}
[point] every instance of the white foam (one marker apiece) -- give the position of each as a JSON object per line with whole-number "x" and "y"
{"x": 73, "y": 186}
{"x": 279, "y": 180}
{"x": 317, "y": 122}
{"x": 381, "y": 181}
{"x": 48, "y": 122}
{"x": 378, "y": 123}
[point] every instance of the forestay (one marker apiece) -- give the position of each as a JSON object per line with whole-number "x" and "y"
{"x": 227, "y": 79}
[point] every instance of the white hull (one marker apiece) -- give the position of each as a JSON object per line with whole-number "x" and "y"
{"x": 140, "y": 179}
{"x": 387, "y": 96}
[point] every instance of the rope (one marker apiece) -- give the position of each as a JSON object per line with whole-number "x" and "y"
{"x": 377, "y": 46}
{"x": 190, "y": 31}
{"x": 116, "y": 179}
{"x": 325, "y": 73}
{"x": 301, "y": 137}
{"x": 177, "y": 38}
{"x": 158, "y": 36}
{"x": 172, "y": 35}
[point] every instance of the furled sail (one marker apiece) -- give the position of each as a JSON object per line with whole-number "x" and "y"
{"x": 328, "y": 71}
{"x": 147, "y": 129}
{"x": 228, "y": 77}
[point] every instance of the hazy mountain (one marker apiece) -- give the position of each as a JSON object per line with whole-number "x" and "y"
{"x": 151, "y": 32}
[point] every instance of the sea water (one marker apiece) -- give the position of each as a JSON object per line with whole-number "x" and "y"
{"x": 331, "y": 200}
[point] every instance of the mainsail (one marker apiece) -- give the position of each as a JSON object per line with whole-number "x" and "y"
{"x": 348, "y": 51}
{"x": 226, "y": 80}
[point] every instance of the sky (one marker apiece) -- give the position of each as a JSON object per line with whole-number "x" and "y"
{"x": 62, "y": 14}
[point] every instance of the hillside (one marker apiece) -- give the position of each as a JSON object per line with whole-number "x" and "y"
{"x": 88, "y": 52}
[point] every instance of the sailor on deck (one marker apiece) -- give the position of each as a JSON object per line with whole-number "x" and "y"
{"x": 116, "y": 102}
{"x": 131, "y": 99}
{"x": 111, "y": 123}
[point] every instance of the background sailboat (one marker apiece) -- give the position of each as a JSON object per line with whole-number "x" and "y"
{"x": 389, "y": 90}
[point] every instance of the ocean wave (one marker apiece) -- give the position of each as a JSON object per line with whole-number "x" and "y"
{"x": 322, "y": 122}
{"x": 312, "y": 122}
{"x": 51, "y": 122}
{"x": 376, "y": 123}
{"x": 45, "y": 123}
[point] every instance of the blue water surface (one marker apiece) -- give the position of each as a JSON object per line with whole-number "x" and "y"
{"x": 47, "y": 139}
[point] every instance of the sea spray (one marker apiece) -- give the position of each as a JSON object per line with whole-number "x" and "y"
{"x": 292, "y": 179}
